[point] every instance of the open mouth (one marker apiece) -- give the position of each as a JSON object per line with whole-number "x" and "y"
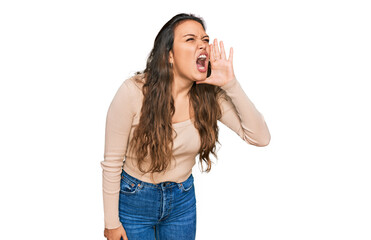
{"x": 202, "y": 62}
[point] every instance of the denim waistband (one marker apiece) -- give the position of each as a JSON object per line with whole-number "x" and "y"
{"x": 167, "y": 184}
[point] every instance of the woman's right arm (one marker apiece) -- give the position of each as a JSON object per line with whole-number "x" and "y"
{"x": 115, "y": 234}
{"x": 118, "y": 124}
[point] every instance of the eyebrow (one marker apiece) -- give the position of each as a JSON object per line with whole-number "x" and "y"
{"x": 190, "y": 34}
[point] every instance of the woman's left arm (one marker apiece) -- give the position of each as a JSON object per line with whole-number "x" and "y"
{"x": 239, "y": 114}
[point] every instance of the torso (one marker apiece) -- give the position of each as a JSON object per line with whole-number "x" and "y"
{"x": 183, "y": 111}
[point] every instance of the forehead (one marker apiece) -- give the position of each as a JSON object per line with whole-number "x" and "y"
{"x": 188, "y": 27}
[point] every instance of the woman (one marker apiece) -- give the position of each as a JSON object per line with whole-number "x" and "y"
{"x": 159, "y": 120}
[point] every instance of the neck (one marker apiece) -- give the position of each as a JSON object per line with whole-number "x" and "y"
{"x": 181, "y": 87}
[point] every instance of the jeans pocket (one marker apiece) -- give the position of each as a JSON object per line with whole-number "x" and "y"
{"x": 187, "y": 185}
{"x": 128, "y": 187}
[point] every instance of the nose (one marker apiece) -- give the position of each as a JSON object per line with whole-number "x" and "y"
{"x": 202, "y": 45}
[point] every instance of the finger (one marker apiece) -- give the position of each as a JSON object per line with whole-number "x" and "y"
{"x": 222, "y": 51}
{"x": 124, "y": 237}
{"x": 216, "y": 49}
{"x": 231, "y": 55}
{"x": 212, "y": 56}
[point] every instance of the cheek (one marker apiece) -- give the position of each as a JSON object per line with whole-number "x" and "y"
{"x": 184, "y": 56}
{"x": 208, "y": 50}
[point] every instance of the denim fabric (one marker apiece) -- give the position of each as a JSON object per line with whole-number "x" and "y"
{"x": 164, "y": 211}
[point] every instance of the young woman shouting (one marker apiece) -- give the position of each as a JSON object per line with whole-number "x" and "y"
{"x": 159, "y": 121}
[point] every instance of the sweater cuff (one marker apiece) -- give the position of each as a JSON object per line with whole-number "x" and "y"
{"x": 230, "y": 84}
{"x": 112, "y": 225}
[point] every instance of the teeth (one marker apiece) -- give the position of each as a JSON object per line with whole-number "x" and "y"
{"x": 202, "y": 56}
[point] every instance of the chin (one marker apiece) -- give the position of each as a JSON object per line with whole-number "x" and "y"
{"x": 200, "y": 76}
{"x": 196, "y": 79}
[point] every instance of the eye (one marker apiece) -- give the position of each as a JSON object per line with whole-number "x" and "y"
{"x": 206, "y": 40}
{"x": 189, "y": 39}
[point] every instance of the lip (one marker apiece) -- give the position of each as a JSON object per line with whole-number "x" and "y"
{"x": 203, "y": 53}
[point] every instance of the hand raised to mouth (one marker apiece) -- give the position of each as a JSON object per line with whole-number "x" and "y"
{"x": 221, "y": 67}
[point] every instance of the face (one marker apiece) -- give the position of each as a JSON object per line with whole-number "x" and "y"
{"x": 190, "y": 53}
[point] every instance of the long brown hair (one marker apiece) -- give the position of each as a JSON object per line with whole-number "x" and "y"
{"x": 153, "y": 136}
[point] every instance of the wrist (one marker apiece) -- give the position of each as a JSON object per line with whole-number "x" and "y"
{"x": 229, "y": 84}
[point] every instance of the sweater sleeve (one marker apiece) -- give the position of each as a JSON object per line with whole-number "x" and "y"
{"x": 118, "y": 124}
{"x": 240, "y": 115}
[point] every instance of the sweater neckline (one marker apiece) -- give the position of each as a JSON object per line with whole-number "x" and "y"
{"x": 183, "y": 123}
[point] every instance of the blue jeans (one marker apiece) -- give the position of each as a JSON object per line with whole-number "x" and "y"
{"x": 164, "y": 211}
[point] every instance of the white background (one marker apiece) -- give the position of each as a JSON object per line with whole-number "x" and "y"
{"x": 304, "y": 64}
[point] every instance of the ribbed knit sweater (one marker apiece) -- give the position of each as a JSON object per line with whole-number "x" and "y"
{"x": 238, "y": 113}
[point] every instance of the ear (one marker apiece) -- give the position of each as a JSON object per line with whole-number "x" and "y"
{"x": 171, "y": 56}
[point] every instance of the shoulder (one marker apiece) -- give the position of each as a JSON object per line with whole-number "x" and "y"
{"x": 128, "y": 96}
{"x": 130, "y": 89}
{"x": 135, "y": 83}
{"x": 130, "y": 92}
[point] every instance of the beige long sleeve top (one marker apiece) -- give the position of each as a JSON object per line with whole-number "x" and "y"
{"x": 238, "y": 113}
